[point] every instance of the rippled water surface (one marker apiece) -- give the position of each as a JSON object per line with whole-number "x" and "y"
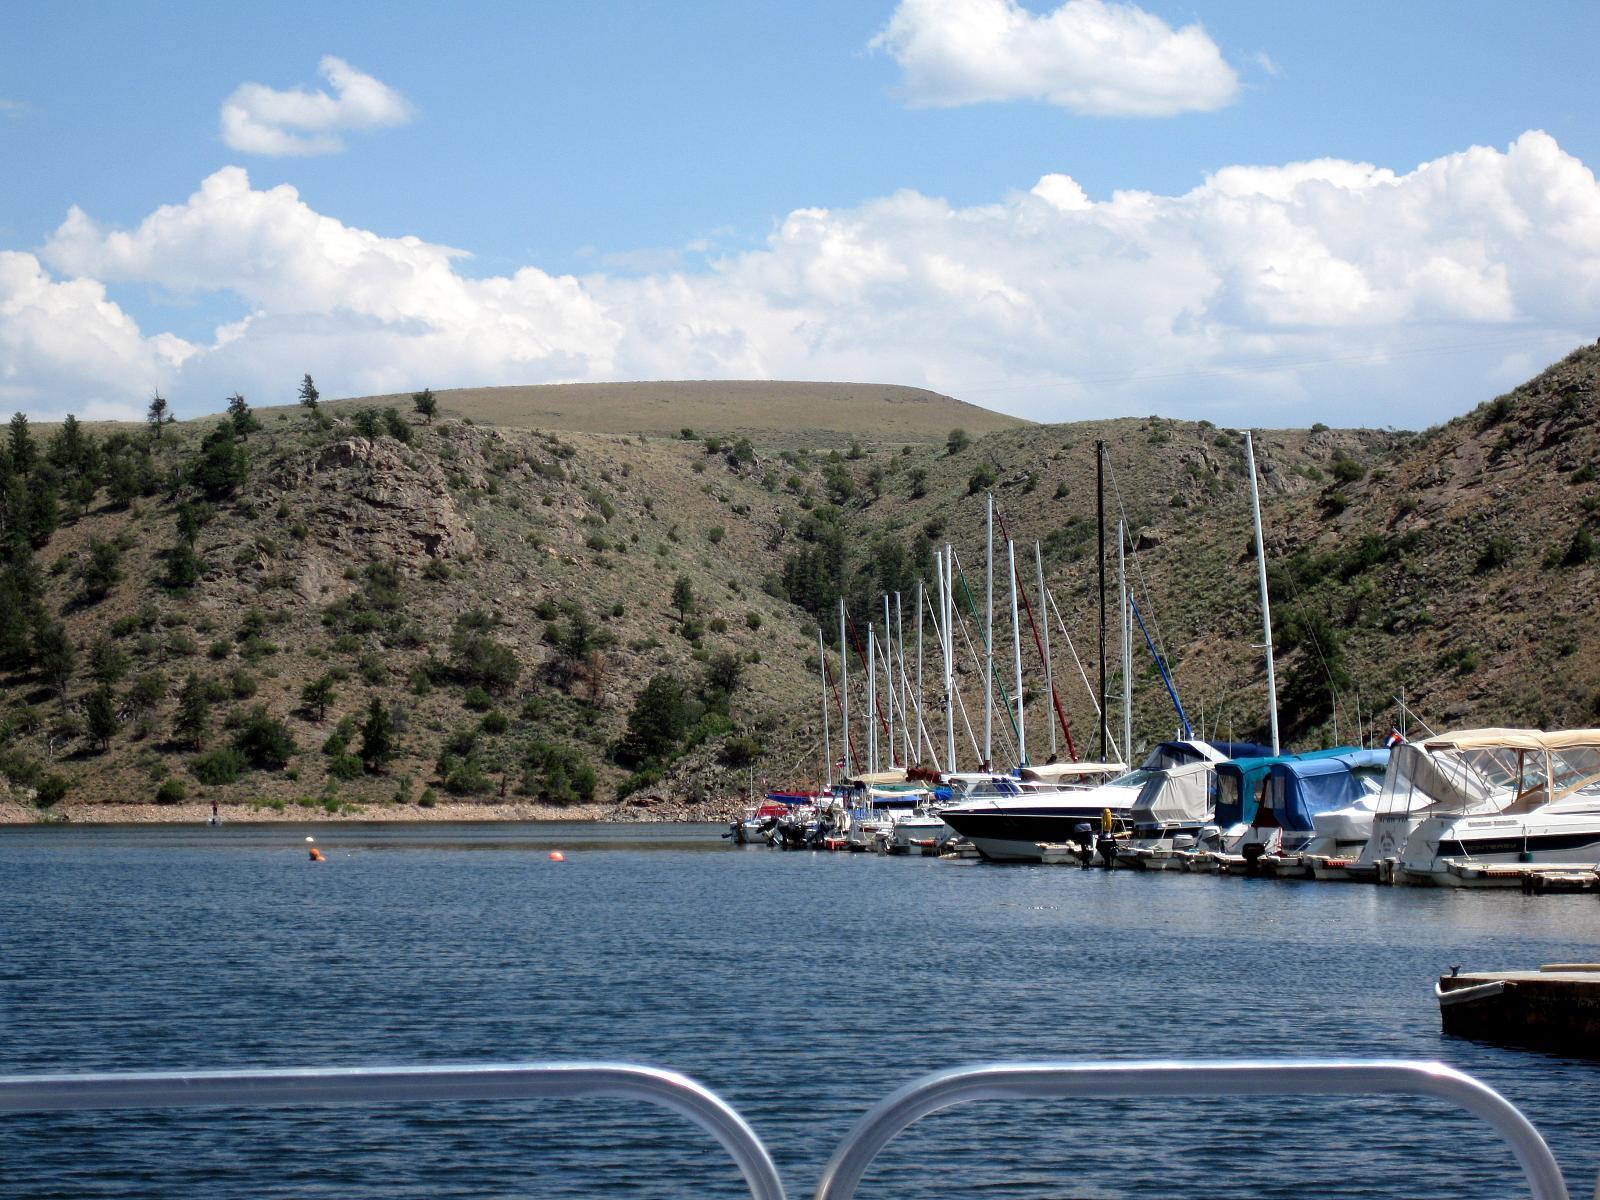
{"x": 801, "y": 987}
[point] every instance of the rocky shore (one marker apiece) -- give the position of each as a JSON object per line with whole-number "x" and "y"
{"x": 641, "y": 809}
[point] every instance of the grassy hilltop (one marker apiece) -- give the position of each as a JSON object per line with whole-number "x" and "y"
{"x": 362, "y": 609}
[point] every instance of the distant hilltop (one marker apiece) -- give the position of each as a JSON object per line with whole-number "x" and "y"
{"x": 879, "y": 411}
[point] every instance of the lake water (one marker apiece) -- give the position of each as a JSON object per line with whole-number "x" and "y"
{"x": 801, "y": 987}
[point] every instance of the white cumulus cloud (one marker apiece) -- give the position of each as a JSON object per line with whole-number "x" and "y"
{"x": 1088, "y": 56}
{"x": 257, "y": 119}
{"x": 1324, "y": 290}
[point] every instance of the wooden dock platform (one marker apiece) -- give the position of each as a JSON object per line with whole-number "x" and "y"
{"x": 1555, "y": 1008}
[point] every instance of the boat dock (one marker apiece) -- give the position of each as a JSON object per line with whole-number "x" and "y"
{"x": 1554, "y": 1008}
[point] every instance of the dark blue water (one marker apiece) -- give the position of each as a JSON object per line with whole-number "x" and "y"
{"x": 801, "y": 987}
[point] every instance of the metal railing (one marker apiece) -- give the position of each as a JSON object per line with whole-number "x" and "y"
{"x": 1056, "y": 1081}
{"x": 682, "y": 1095}
{"x": 404, "y": 1085}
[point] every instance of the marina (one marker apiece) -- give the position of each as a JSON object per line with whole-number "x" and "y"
{"x": 800, "y": 987}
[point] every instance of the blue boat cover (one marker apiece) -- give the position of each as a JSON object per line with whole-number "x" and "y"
{"x": 1239, "y": 781}
{"x": 1299, "y": 789}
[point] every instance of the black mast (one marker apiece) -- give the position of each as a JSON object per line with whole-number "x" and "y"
{"x": 1100, "y": 510}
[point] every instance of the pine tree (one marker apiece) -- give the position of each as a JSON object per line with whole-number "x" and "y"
{"x": 377, "y": 736}
{"x": 244, "y": 421}
{"x": 56, "y": 656}
{"x": 309, "y": 395}
{"x": 318, "y": 694}
{"x": 683, "y": 596}
{"x": 193, "y": 722}
{"x": 101, "y": 714}
{"x": 22, "y": 448}
{"x": 156, "y": 415}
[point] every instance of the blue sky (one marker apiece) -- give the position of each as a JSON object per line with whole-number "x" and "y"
{"x": 820, "y": 191}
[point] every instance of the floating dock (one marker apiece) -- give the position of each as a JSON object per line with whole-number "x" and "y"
{"x": 1555, "y": 1008}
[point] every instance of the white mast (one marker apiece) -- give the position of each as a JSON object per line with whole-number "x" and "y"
{"x": 1261, "y": 571}
{"x": 1016, "y": 653}
{"x": 888, "y": 674}
{"x": 1125, "y": 622}
{"x": 988, "y": 639}
{"x": 919, "y": 670}
{"x": 948, "y": 582}
{"x": 827, "y": 743}
{"x": 1049, "y": 675}
{"x": 844, "y": 688}
{"x": 903, "y": 682}
{"x": 872, "y": 700}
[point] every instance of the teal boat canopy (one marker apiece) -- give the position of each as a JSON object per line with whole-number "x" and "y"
{"x": 1297, "y": 791}
{"x": 1239, "y": 783}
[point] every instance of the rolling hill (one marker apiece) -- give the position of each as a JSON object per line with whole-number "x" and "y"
{"x": 775, "y": 411}
{"x": 606, "y": 623}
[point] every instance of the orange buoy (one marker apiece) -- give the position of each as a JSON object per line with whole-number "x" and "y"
{"x": 317, "y": 855}
{"x": 557, "y": 856}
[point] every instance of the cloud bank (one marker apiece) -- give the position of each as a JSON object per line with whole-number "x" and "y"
{"x": 257, "y": 119}
{"x": 1087, "y": 56}
{"x": 1268, "y": 294}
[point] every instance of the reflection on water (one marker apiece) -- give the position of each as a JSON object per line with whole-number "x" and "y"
{"x": 802, "y": 987}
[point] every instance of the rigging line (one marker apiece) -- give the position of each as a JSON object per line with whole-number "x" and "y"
{"x": 1316, "y": 644}
{"x": 1082, "y": 673}
{"x": 916, "y": 703}
{"x": 1011, "y": 743}
{"x": 1157, "y": 645}
{"x": 908, "y": 690}
{"x": 1188, "y": 730}
{"x": 1011, "y": 716}
{"x": 1055, "y": 700}
{"x": 1138, "y": 567}
{"x": 838, "y": 703}
{"x": 1411, "y": 712}
{"x": 815, "y": 747}
{"x": 888, "y": 687}
{"x": 938, "y": 633}
{"x": 973, "y": 654}
{"x": 872, "y": 701}
{"x": 972, "y": 607}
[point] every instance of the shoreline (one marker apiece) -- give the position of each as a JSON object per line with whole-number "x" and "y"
{"x": 13, "y": 813}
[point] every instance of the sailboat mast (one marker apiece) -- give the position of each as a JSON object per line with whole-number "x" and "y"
{"x": 827, "y": 743}
{"x": 1016, "y": 653}
{"x": 1100, "y": 511}
{"x": 872, "y": 699}
{"x": 1125, "y": 623}
{"x": 1261, "y": 573}
{"x": 988, "y": 641}
{"x": 1049, "y": 675}
{"x": 844, "y": 687}
{"x": 920, "y": 692}
{"x": 888, "y": 674}
{"x": 948, "y": 580}
{"x": 901, "y": 681}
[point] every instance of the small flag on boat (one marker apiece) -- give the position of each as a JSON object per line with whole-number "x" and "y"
{"x": 1395, "y": 738}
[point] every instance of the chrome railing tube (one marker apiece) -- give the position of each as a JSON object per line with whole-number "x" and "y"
{"x": 1065, "y": 1080}
{"x": 404, "y": 1085}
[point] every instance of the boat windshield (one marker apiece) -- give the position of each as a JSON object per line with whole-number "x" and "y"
{"x": 1170, "y": 754}
{"x": 1133, "y": 779}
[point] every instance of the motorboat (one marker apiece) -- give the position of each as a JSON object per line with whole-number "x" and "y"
{"x": 1012, "y": 825}
{"x": 756, "y": 825}
{"x": 1172, "y": 813}
{"x": 922, "y": 830}
{"x": 1297, "y": 791}
{"x": 1500, "y": 797}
